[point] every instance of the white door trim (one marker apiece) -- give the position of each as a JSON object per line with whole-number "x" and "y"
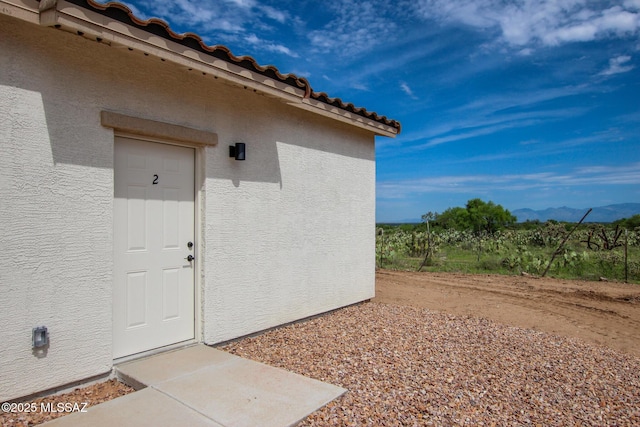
{"x": 199, "y": 180}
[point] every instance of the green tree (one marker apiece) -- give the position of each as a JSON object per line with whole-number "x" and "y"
{"x": 453, "y": 218}
{"x": 629, "y": 223}
{"x": 476, "y": 216}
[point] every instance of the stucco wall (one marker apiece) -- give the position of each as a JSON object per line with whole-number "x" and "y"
{"x": 288, "y": 233}
{"x": 282, "y": 249}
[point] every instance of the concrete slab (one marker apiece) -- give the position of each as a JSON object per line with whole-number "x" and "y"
{"x": 146, "y": 407}
{"x": 241, "y": 392}
{"x": 229, "y": 389}
{"x": 170, "y": 365}
{"x": 201, "y": 386}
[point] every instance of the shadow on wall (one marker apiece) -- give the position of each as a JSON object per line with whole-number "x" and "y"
{"x": 261, "y": 163}
{"x": 57, "y": 103}
{"x": 61, "y": 98}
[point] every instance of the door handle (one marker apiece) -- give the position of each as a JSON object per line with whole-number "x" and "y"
{"x": 190, "y": 258}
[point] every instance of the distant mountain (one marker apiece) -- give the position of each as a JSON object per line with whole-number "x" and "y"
{"x": 401, "y": 221}
{"x": 600, "y": 214}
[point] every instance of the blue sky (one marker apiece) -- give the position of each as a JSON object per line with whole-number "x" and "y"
{"x": 528, "y": 103}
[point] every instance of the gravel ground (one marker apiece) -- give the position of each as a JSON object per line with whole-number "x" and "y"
{"x": 412, "y": 366}
{"x": 91, "y": 395}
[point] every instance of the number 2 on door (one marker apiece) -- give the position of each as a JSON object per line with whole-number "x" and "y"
{"x": 155, "y": 179}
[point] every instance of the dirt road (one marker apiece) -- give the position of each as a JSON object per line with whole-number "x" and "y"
{"x": 603, "y": 313}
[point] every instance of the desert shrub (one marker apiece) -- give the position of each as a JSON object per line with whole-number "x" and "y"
{"x": 510, "y": 250}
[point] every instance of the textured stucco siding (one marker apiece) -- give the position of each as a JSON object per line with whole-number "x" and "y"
{"x": 279, "y": 250}
{"x": 55, "y": 213}
{"x": 286, "y": 234}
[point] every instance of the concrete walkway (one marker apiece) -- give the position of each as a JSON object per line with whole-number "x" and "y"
{"x": 201, "y": 386}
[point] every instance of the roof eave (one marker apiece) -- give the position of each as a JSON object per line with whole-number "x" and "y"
{"x": 345, "y": 116}
{"x": 68, "y": 16}
{"x": 71, "y": 17}
{"x": 27, "y": 10}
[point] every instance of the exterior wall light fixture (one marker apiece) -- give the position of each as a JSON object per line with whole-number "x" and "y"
{"x": 237, "y": 151}
{"x": 40, "y": 337}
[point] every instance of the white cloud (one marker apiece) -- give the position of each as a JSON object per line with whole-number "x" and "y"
{"x": 488, "y": 115}
{"x": 628, "y": 174}
{"x": 274, "y": 14}
{"x": 531, "y": 22}
{"x": 252, "y": 39}
{"x": 632, "y": 4}
{"x": 480, "y": 131}
{"x": 616, "y": 65}
{"x": 406, "y": 89}
{"x": 357, "y": 27}
{"x": 243, "y": 3}
{"x": 230, "y": 16}
{"x": 186, "y": 15}
{"x": 360, "y": 86}
{"x": 269, "y": 46}
{"x": 281, "y": 49}
{"x": 523, "y": 99}
{"x": 457, "y": 129}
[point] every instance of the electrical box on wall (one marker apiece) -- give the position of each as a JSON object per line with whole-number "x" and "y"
{"x": 40, "y": 337}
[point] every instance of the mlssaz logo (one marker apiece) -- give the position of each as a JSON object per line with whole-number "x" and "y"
{"x": 66, "y": 407}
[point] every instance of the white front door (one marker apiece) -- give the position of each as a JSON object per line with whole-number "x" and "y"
{"x": 153, "y": 298}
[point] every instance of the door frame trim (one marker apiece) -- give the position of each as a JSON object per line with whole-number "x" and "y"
{"x": 155, "y": 129}
{"x": 198, "y": 196}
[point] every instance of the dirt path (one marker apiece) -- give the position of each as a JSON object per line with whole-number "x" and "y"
{"x": 604, "y": 313}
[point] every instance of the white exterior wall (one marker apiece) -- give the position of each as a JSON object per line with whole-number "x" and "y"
{"x": 292, "y": 233}
{"x": 286, "y": 234}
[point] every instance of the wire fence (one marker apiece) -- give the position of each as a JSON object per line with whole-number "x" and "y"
{"x": 594, "y": 252}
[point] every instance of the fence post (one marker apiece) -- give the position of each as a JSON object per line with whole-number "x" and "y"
{"x": 626, "y": 265}
{"x": 564, "y": 241}
{"x": 380, "y": 232}
{"x": 426, "y": 257}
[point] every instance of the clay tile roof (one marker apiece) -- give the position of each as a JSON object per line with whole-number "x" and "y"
{"x": 161, "y": 28}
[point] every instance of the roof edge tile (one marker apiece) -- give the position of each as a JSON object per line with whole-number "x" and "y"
{"x": 122, "y": 13}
